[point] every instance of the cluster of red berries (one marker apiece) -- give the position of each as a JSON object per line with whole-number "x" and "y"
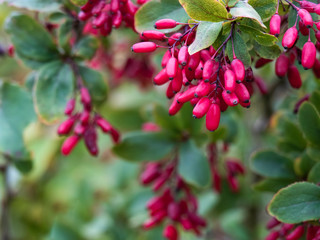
{"x": 108, "y": 14}
{"x": 174, "y": 202}
{"x": 206, "y": 79}
{"x": 83, "y": 125}
{"x": 233, "y": 168}
{"x": 307, "y": 56}
{"x": 292, "y": 231}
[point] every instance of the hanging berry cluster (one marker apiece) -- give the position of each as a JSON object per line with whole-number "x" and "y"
{"x": 82, "y": 124}
{"x": 287, "y": 231}
{"x": 174, "y": 201}
{"x": 105, "y": 15}
{"x": 207, "y": 79}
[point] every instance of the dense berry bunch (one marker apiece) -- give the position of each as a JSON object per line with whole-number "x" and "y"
{"x": 174, "y": 203}
{"x": 105, "y": 15}
{"x": 208, "y": 79}
{"x": 83, "y": 125}
{"x": 291, "y": 231}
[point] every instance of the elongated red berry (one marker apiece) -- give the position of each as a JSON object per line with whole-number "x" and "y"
{"x": 316, "y": 68}
{"x": 165, "y": 24}
{"x": 294, "y": 77}
{"x": 309, "y": 53}
{"x": 208, "y": 70}
{"x": 144, "y": 47}
{"x": 187, "y": 95}
{"x": 177, "y": 81}
{"x": 104, "y": 124}
{"x": 70, "y": 106}
{"x": 205, "y": 55}
{"x": 66, "y": 126}
{"x": 296, "y": 233}
{"x": 290, "y": 37}
{"x": 169, "y": 93}
{"x": 202, "y": 89}
{"x": 85, "y": 96}
{"x": 199, "y": 71}
{"x": 213, "y": 117}
{"x": 90, "y": 139}
{"x": 115, "y": 135}
{"x": 238, "y": 69}
{"x": 303, "y": 29}
{"x": 194, "y": 61}
{"x": 165, "y": 58}
{"x": 69, "y": 144}
{"x": 242, "y": 93}
{"x": 150, "y": 174}
{"x": 174, "y": 211}
{"x": 230, "y": 99}
{"x": 161, "y": 78}
{"x": 201, "y": 108}
{"x": 307, "y": 4}
{"x": 305, "y": 17}
{"x": 153, "y": 35}
{"x": 273, "y": 236}
{"x": 282, "y": 65}
{"x": 170, "y": 232}
{"x": 175, "y": 106}
{"x": 183, "y": 55}
{"x": 175, "y": 39}
{"x": 275, "y": 24}
{"x": 229, "y": 80}
{"x": 172, "y": 68}
{"x": 262, "y": 62}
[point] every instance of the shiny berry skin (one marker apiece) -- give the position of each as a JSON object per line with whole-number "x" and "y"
{"x": 294, "y": 77}
{"x": 153, "y": 35}
{"x": 290, "y": 38}
{"x": 165, "y": 24}
{"x": 309, "y": 53}
{"x": 172, "y": 68}
{"x": 282, "y": 65}
{"x": 69, "y": 144}
{"x": 144, "y": 47}
{"x": 229, "y": 81}
{"x": 238, "y": 69}
{"x": 305, "y": 17}
{"x": 183, "y": 56}
{"x": 170, "y": 232}
{"x": 213, "y": 117}
{"x": 201, "y": 108}
{"x": 275, "y": 24}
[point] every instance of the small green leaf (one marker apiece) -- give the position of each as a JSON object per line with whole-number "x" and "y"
{"x": 153, "y": 11}
{"x": 245, "y": 10}
{"x": 207, "y": 33}
{"x": 303, "y": 164}
{"x": 193, "y": 165}
{"x": 36, "y": 5}
{"x": 240, "y": 48}
{"x": 93, "y": 80}
{"x": 271, "y": 52}
{"x": 262, "y": 38}
{"x": 271, "y": 164}
{"x": 315, "y": 99}
{"x": 272, "y": 185}
{"x": 314, "y": 175}
{"x": 86, "y": 47}
{"x": 296, "y": 203}
{"x": 144, "y": 146}
{"x": 54, "y": 87}
{"x": 205, "y": 10}
{"x": 309, "y": 121}
{"x": 65, "y": 33}
{"x": 314, "y": 153}
{"x": 33, "y": 44}
{"x": 265, "y": 8}
{"x": 16, "y": 113}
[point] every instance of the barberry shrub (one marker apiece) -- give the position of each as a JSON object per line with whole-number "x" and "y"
{"x": 225, "y": 145}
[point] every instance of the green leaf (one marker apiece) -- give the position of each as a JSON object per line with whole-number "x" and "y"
{"x": 54, "y": 87}
{"x": 271, "y": 52}
{"x": 240, "y": 48}
{"x": 193, "y": 165}
{"x": 296, "y": 203}
{"x": 262, "y": 38}
{"x": 163, "y": 119}
{"x": 64, "y": 231}
{"x": 93, "y": 80}
{"x": 23, "y": 165}
{"x": 303, "y": 164}
{"x": 145, "y": 146}
{"x": 315, "y": 99}
{"x": 86, "y": 47}
{"x": 207, "y": 33}
{"x": 314, "y": 153}
{"x": 314, "y": 175}
{"x": 33, "y": 44}
{"x": 16, "y": 113}
{"x": 65, "y": 33}
{"x": 265, "y": 8}
{"x": 36, "y": 5}
{"x": 272, "y": 185}
{"x": 271, "y": 164}
{"x": 309, "y": 121}
{"x": 153, "y": 11}
{"x": 205, "y": 10}
{"x": 231, "y": 3}
{"x": 245, "y": 10}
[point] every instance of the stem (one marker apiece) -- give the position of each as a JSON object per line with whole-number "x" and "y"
{"x": 76, "y": 72}
{"x": 225, "y": 41}
{"x": 292, "y": 5}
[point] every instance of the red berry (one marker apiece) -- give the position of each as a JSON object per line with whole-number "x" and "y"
{"x": 296, "y": 233}
{"x": 183, "y": 55}
{"x": 305, "y": 17}
{"x": 202, "y": 107}
{"x": 170, "y": 232}
{"x": 161, "y": 78}
{"x": 85, "y": 96}
{"x": 316, "y": 68}
{"x": 290, "y": 37}
{"x": 238, "y": 69}
{"x": 70, "y": 106}
{"x": 66, "y": 126}
{"x": 262, "y": 86}
{"x": 242, "y": 93}
{"x": 90, "y": 139}
{"x": 115, "y": 135}
{"x": 213, "y": 117}
{"x": 208, "y": 70}
{"x": 309, "y": 53}
{"x": 262, "y": 62}
{"x": 230, "y": 99}
{"x": 275, "y": 24}
{"x": 177, "y": 81}
{"x": 202, "y": 89}
{"x": 282, "y": 65}
{"x": 175, "y": 106}
{"x": 104, "y": 125}
{"x": 165, "y": 24}
{"x": 172, "y": 68}
{"x": 187, "y": 95}
{"x": 69, "y": 144}
{"x": 205, "y": 55}
{"x": 303, "y": 29}
{"x": 144, "y": 47}
{"x": 294, "y": 77}
{"x": 273, "y": 236}
{"x": 229, "y": 81}
{"x": 194, "y": 61}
